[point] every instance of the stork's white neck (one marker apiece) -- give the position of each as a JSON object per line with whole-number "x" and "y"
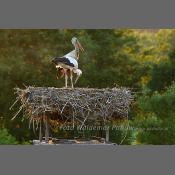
{"x": 72, "y": 54}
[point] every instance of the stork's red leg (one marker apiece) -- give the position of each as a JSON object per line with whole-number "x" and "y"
{"x": 71, "y": 78}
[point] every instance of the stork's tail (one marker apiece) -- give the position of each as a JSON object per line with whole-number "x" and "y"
{"x": 53, "y": 60}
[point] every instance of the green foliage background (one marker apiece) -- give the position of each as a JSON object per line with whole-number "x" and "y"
{"x": 140, "y": 59}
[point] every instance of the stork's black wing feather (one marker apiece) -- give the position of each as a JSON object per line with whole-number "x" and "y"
{"x": 62, "y": 60}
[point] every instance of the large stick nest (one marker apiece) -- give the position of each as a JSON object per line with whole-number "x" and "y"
{"x": 78, "y": 104}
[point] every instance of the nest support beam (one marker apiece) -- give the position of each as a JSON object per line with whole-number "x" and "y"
{"x": 46, "y": 129}
{"x": 44, "y": 120}
{"x": 40, "y": 132}
{"x": 107, "y": 134}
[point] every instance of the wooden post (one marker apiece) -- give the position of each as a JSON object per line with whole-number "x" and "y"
{"x": 46, "y": 129}
{"x": 101, "y": 131}
{"x": 40, "y": 131}
{"x": 107, "y": 134}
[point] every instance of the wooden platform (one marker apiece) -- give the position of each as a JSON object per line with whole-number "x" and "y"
{"x": 72, "y": 142}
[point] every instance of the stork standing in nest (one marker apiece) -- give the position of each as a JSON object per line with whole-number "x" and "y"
{"x": 69, "y": 63}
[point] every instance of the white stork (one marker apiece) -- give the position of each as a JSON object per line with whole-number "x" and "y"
{"x": 69, "y": 62}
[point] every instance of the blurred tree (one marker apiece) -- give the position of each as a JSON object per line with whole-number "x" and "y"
{"x": 6, "y": 138}
{"x": 163, "y": 74}
{"x": 158, "y": 116}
